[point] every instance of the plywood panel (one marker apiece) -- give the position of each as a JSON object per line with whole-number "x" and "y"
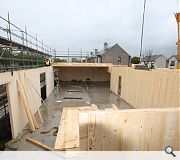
{"x": 74, "y": 128}
{"x": 79, "y": 73}
{"x": 147, "y": 89}
{"x": 68, "y": 134}
{"x": 17, "y": 115}
{"x": 92, "y": 65}
{"x": 142, "y": 130}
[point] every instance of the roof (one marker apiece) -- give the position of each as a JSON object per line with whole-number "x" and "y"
{"x": 109, "y": 48}
{"x": 151, "y": 58}
{"x": 176, "y": 56}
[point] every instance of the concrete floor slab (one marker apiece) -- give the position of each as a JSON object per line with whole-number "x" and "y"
{"x": 96, "y": 94}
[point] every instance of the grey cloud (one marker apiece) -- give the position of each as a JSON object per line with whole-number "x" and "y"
{"x": 87, "y": 24}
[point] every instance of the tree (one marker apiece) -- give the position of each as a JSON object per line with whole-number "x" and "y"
{"x": 147, "y": 56}
{"x": 135, "y": 60}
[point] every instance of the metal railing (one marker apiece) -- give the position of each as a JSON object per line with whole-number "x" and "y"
{"x": 14, "y": 41}
{"x": 73, "y": 56}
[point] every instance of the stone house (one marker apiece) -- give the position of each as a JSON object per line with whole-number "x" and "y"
{"x": 113, "y": 54}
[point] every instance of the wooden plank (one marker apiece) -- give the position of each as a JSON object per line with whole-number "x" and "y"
{"x": 141, "y": 130}
{"x": 81, "y": 64}
{"x": 68, "y": 133}
{"x": 34, "y": 119}
{"x": 10, "y": 106}
{"x": 83, "y": 131}
{"x": 29, "y": 87}
{"x": 114, "y": 107}
{"x": 91, "y": 132}
{"x": 39, "y": 144}
{"x": 27, "y": 102}
{"x": 82, "y": 127}
{"x": 94, "y": 107}
{"x": 25, "y": 106}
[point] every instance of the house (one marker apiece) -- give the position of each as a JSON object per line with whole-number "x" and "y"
{"x": 158, "y": 60}
{"x": 172, "y": 62}
{"x": 113, "y": 54}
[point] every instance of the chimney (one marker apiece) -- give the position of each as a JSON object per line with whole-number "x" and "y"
{"x": 96, "y": 51}
{"x": 105, "y": 45}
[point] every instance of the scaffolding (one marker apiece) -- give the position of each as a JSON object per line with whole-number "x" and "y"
{"x": 72, "y": 56}
{"x": 19, "y": 49}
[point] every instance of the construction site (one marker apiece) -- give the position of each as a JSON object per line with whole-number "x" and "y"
{"x": 71, "y": 106}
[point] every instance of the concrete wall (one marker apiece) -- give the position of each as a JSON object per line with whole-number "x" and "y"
{"x": 17, "y": 114}
{"x": 147, "y": 89}
{"x": 82, "y": 73}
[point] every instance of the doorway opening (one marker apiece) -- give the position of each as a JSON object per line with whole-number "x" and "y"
{"x": 119, "y": 86}
{"x": 43, "y": 85}
{"x": 5, "y": 125}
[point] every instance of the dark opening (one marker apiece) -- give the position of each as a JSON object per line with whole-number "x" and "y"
{"x": 43, "y": 85}
{"x": 119, "y": 86}
{"x": 5, "y": 125}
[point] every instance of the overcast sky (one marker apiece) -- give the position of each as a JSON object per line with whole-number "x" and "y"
{"x": 87, "y": 24}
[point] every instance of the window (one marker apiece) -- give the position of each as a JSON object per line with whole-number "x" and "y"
{"x": 119, "y": 60}
{"x": 172, "y": 63}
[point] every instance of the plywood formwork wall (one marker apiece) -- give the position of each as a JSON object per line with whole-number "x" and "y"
{"x": 131, "y": 130}
{"x": 147, "y": 89}
{"x": 83, "y": 73}
{"x": 18, "y": 116}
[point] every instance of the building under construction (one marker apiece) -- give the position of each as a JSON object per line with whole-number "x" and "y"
{"x": 88, "y": 106}
{"x": 87, "y": 103}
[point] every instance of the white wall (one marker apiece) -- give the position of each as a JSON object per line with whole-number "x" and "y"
{"x": 160, "y": 62}
{"x": 18, "y": 116}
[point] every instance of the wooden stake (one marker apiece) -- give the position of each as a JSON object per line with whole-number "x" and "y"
{"x": 39, "y": 144}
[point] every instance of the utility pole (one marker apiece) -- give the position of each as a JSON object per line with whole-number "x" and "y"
{"x": 177, "y": 15}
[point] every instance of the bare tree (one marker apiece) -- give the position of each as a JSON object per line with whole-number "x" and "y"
{"x": 147, "y": 56}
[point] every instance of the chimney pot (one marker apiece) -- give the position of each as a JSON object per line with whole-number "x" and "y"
{"x": 96, "y": 51}
{"x": 105, "y": 45}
